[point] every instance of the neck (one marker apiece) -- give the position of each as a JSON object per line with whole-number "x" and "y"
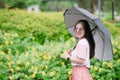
{"x": 81, "y": 38}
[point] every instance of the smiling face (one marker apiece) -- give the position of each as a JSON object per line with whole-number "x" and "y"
{"x": 79, "y": 31}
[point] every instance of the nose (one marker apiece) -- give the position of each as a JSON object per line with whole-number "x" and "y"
{"x": 77, "y": 30}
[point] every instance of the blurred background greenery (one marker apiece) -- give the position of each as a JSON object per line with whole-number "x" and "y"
{"x": 59, "y": 5}
{"x": 94, "y": 6}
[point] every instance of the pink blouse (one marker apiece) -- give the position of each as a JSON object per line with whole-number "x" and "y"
{"x": 82, "y": 51}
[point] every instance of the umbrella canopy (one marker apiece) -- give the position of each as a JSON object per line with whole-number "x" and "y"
{"x": 103, "y": 47}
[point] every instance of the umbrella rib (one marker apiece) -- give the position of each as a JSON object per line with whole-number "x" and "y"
{"x": 80, "y": 14}
{"x": 103, "y": 43}
{"x": 94, "y": 28}
{"x": 87, "y": 18}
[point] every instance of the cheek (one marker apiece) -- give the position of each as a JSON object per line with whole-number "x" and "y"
{"x": 83, "y": 33}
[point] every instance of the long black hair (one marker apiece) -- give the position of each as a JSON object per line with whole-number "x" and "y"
{"x": 88, "y": 35}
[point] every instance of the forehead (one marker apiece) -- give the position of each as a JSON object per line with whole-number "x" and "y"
{"x": 79, "y": 25}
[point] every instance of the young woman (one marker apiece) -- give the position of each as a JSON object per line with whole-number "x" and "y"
{"x": 80, "y": 56}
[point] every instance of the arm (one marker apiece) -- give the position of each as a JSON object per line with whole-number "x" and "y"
{"x": 72, "y": 59}
{"x": 77, "y": 60}
{"x": 81, "y": 55}
{"x": 81, "y": 52}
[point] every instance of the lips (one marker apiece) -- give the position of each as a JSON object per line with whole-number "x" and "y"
{"x": 77, "y": 33}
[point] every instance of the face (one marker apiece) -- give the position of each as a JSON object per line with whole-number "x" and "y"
{"x": 79, "y": 31}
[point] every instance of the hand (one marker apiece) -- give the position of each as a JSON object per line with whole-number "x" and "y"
{"x": 65, "y": 55}
{"x": 70, "y": 51}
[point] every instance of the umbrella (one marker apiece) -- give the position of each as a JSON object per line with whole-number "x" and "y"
{"x": 101, "y": 35}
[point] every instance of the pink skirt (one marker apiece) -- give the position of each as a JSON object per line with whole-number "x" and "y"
{"x": 81, "y": 73}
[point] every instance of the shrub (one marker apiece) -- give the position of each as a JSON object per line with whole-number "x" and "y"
{"x": 42, "y": 25}
{"x": 23, "y": 57}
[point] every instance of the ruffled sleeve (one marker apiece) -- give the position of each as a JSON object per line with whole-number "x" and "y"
{"x": 81, "y": 51}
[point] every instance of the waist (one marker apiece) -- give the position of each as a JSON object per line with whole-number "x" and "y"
{"x": 80, "y": 65}
{"x": 86, "y": 64}
{"x": 77, "y": 66}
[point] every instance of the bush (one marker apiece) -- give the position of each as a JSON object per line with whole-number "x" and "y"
{"x": 43, "y": 25}
{"x": 27, "y": 59}
{"x": 23, "y": 57}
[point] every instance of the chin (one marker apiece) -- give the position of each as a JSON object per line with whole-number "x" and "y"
{"x": 77, "y": 37}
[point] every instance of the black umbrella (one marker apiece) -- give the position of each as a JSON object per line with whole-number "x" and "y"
{"x": 103, "y": 47}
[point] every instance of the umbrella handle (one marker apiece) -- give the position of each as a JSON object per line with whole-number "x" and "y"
{"x": 65, "y": 11}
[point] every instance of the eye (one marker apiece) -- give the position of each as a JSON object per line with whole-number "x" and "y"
{"x": 81, "y": 29}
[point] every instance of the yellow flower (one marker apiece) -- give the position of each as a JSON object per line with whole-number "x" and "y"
{"x": 62, "y": 63}
{"x": 1, "y": 63}
{"x": 26, "y": 53}
{"x": 32, "y": 67}
{"x": 110, "y": 65}
{"x": 27, "y": 63}
{"x": 91, "y": 66}
{"x": 49, "y": 57}
{"x": 104, "y": 63}
{"x": 1, "y": 52}
{"x": 33, "y": 38}
{"x": 7, "y": 35}
{"x": 9, "y": 65}
{"x": 46, "y": 67}
{"x": 18, "y": 62}
{"x": 33, "y": 75}
{"x": 17, "y": 52}
{"x": 6, "y": 42}
{"x": 95, "y": 68}
{"x": 114, "y": 50}
{"x": 113, "y": 42}
{"x": 45, "y": 57}
{"x": 61, "y": 55}
{"x": 43, "y": 73}
{"x": 11, "y": 42}
{"x": 72, "y": 39}
{"x": 69, "y": 72}
{"x": 118, "y": 60}
{"x": 17, "y": 68}
{"x": 11, "y": 78}
{"x": 1, "y": 46}
{"x": 9, "y": 50}
{"x": 26, "y": 77}
{"x": 52, "y": 73}
{"x": 12, "y": 70}
{"x": 15, "y": 35}
{"x": 33, "y": 48}
{"x": 41, "y": 67}
{"x": 100, "y": 69}
{"x": 8, "y": 58}
{"x": 28, "y": 47}
{"x": 119, "y": 47}
{"x": 12, "y": 62}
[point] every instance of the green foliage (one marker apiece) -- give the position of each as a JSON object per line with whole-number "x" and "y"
{"x": 23, "y": 57}
{"x": 113, "y": 27}
{"x": 32, "y": 2}
{"x": 107, "y": 6}
{"x": 56, "y": 5}
{"x": 20, "y": 3}
{"x": 42, "y": 26}
{"x": 27, "y": 59}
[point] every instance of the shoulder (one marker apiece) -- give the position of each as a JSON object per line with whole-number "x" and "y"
{"x": 83, "y": 42}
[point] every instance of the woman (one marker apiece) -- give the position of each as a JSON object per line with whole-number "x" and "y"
{"x": 80, "y": 56}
